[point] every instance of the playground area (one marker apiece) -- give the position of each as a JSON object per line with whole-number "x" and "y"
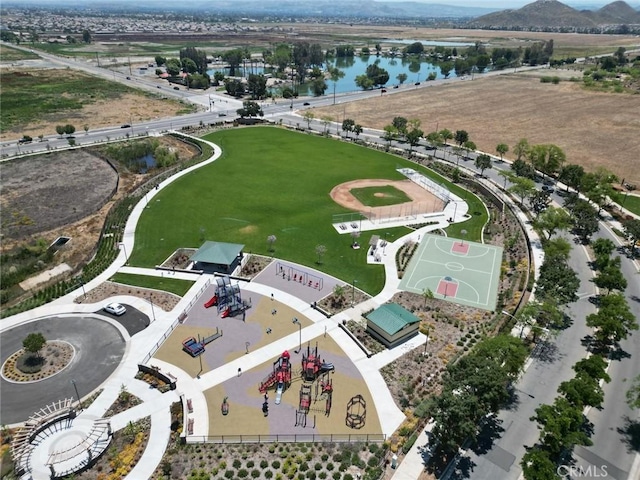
{"x": 455, "y": 270}
{"x": 264, "y": 321}
{"x": 280, "y": 397}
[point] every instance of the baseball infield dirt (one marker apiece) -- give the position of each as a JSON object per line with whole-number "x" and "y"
{"x": 421, "y": 198}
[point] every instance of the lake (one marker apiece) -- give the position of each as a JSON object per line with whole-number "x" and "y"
{"x": 416, "y": 70}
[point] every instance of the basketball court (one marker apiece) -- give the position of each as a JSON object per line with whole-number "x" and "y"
{"x": 455, "y": 270}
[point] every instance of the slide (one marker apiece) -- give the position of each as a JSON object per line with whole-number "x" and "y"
{"x": 279, "y": 392}
{"x": 225, "y": 313}
{"x": 212, "y": 301}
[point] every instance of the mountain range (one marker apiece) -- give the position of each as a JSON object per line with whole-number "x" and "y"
{"x": 543, "y": 14}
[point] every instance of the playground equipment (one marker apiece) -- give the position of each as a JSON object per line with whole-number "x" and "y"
{"x": 324, "y": 388}
{"x": 293, "y": 274}
{"x": 280, "y": 376}
{"x": 356, "y": 412}
{"x": 312, "y": 365}
{"x": 227, "y": 298}
{"x": 196, "y": 347}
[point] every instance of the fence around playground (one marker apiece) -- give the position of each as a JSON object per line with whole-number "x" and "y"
{"x": 290, "y": 438}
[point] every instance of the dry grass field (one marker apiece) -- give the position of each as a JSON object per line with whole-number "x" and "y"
{"x": 593, "y": 128}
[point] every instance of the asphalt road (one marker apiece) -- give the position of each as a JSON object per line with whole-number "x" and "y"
{"x": 133, "y": 320}
{"x": 551, "y": 364}
{"x": 616, "y": 436}
{"x": 99, "y": 348}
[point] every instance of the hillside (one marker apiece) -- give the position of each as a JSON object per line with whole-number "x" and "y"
{"x": 552, "y": 14}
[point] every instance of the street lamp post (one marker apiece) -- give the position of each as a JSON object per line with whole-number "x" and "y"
{"x": 297, "y": 322}
{"x": 124, "y": 248}
{"x": 353, "y": 292}
{"x": 504, "y": 312}
{"x": 153, "y": 312}
{"x": 76, "y": 389}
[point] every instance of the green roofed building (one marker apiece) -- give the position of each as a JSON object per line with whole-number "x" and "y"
{"x": 391, "y": 324}
{"x": 217, "y": 257}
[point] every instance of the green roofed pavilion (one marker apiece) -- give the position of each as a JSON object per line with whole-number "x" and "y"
{"x": 217, "y": 257}
{"x": 391, "y": 324}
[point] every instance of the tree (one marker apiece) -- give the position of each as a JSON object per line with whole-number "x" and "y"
{"x": 234, "y": 87}
{"x": 434, "y": 139}
{"x": 554, "y": 219}
{"x": 357, "y": 129}
{"x": 445, "y": 68}
{"x": 173, "y": 66}
{"x": 198, "y": 57}
{"x": 602, "y": 249}
{"x": 557, "y": 247}
{"x": 257, "y": 86}
{"x": 455, "y": 417}
{"x": 582, "y": 392}
{"x": 309, "y": 116}
{"x": 401, "y": 124}
{"x": 390, "y": 134}
{"x": 594, "y": 367}
{"x": 271, "y": 240}
{"x": 34, "y": 342}
{"x": 537, "y": 465}
{"x": 335, "y": 74}
{"x": 482, "y": 378}
{"x": 347, "y": 125}
{"x": 86, "y": 36}
{"x": 233, "y": 58}
{"x": 522, "y": 187}
{"x": 502, "y": 148}
{"x": 557, "y": 281}
{"x": 613, "y": 321}
{"x": 521, "y": 149}
{"x": 461, "y": 136}
{"x": 610, "y": 277}
{"x": 401, "y": 77}
{"x": 378, "y": 75}
{"x": 364, "y": 82}
{"x": 69, "y": 129}
{"x": 160, "y": 60}
{"x": 585, "y": 219}
{"x": 413, "y": 136}
{"x": 562, "y": 426}
{"x": 539, "y": 202}
{"x": 633, "y": 394}
{"x": 250, "y": 109}
{"x": 547, "y": 159}
{"x": 632, "y": 232}
{"x": 523, "y": 169}
{"x": 468, "y": 147}
{"x": 60, "y": 130}
{"x": 326, "y": 121}
{"x": 571, "y": 175}
{"x": 427, "y": 294}
{"x": 483, "y": 162}
{"x": 446, "y": 135}
{"x": 506, "y": 351}
{"x": 188, "y": 65}
{"x": 320, "y": 252}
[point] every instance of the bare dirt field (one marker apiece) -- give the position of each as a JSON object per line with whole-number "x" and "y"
{"x": 341, "y": 194}
{"x": 39, "y": 192}
{"x": 70, "y": 210}
{"x": 593, "y": 128}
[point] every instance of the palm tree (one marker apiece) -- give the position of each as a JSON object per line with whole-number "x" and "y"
{"x": 502, "y": 148}
{"x": 336, "y": 74}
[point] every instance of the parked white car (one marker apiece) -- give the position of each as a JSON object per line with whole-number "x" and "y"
{"x": 115, "y": 309}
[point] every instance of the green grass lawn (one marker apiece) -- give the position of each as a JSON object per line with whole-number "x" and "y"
{"x": 380, "y": 196}
{"x": 172, "y": 285}
{"x": 631, "y": 202}
{"x": 8, "y": 54}
{"x": 271, "y": 181}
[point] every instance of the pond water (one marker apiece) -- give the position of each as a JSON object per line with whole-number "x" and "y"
{"x": 144, "y": 164}
{"x": 416, "y": 70}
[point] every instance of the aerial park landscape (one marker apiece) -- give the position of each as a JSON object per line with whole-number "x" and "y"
{"x": 284, "y": 275}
